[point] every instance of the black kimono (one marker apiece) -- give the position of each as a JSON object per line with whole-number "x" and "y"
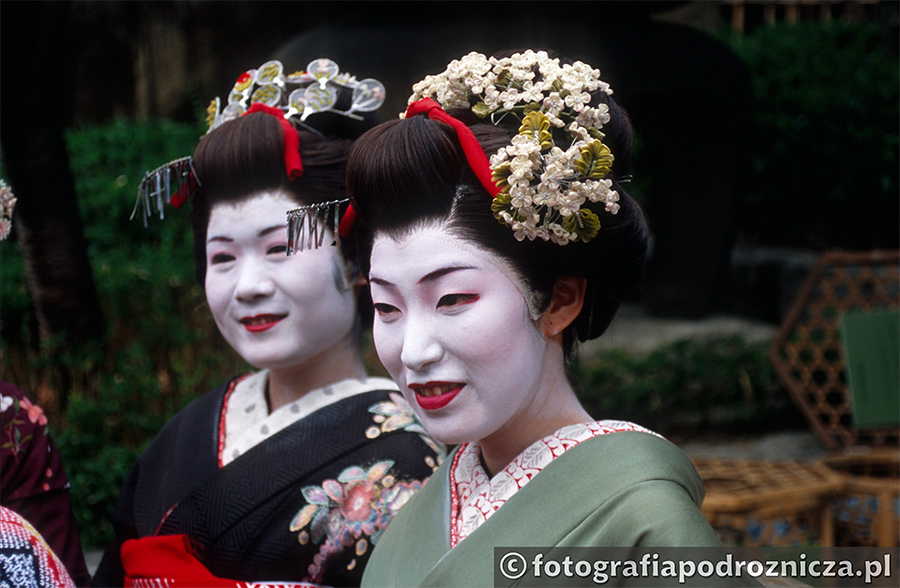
{"x": 305, "y": 505}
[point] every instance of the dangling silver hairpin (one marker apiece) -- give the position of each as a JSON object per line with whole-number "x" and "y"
{"x": 157, "y": 186}
{"x": 303, "y": 231}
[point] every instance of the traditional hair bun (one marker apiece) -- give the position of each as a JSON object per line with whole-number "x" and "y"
{"x": 561, "y": 209}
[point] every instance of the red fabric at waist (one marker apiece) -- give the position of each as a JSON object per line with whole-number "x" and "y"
{"x": 168, "y": 561}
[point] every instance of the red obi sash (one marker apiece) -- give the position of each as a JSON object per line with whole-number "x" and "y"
{"x": 168, "y": 561}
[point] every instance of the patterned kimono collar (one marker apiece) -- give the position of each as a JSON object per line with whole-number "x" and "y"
{"x": 248, "y": 422}
{"x": 474, "y": 496}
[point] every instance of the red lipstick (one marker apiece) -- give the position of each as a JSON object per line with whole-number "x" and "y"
{"x": 260, "y": 323}
{"x": 435, "y": 395}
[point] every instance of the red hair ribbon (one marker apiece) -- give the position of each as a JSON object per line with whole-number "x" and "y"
{"x": 187, "y": 187}
{"x": 346, "y": 224}
{"x": 292, "y": 165}
{"x": 472, "y": 149}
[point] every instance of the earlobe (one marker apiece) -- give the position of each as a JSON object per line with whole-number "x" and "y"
{"x": 566, "y": 302}
{"x": 357, "y": 285}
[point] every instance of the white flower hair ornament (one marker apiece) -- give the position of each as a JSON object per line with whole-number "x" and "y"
{"x": 7, "y": 203}
{"x": 557, "y": 163}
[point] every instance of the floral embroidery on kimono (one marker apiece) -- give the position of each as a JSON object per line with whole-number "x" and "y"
{"x": 475, "y": 496}
{"x": 23, "y": 408}
{"x": 397, "y": 414}
{"x": 352, "y": 510}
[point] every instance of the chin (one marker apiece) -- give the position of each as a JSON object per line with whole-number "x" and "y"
{"x": 268, "y": 362}
{"x": 450, "y": 435}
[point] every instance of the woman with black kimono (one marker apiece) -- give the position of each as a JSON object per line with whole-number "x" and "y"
{"x": 292, "y": 473}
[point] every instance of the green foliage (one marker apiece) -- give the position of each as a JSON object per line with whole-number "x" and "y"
{"x": 95, "y": 464}
{"x": 715, "y": 384}
{"x": 161, "y": 349}
{"x": 825, "y": 145}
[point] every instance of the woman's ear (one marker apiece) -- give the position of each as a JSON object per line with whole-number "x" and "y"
{"x": 565, "y": 305}
{"x": 359, "y": 284}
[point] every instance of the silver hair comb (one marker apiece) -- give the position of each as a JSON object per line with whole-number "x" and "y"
{"x": 157, "y": 186}
{"x": 303, "y": 230}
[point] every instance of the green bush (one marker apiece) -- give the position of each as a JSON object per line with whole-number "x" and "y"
{"x": 825, "y": 144}
{"x": 161, "y": 348}
{"x": 718, "y": 384}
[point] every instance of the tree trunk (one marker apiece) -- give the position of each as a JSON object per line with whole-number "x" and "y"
{"x": 36, "y": 98}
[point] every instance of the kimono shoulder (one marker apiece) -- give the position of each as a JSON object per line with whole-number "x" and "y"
{"x": 184, "y": 450}
{"x": 622, "y": 489}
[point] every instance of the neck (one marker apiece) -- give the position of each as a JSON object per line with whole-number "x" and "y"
{"x": 554, "y": 406}
{"x": 339, "y": 362}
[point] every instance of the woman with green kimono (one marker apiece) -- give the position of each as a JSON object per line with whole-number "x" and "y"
{"x": 495, "y": 234}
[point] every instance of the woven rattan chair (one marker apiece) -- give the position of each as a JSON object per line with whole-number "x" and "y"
{"x": 851, "y": 497}
{"x": 809, "y": 357}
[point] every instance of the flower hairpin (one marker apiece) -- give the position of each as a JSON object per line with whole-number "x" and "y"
{"x": 557, "y": 163}
{"x": 303, "y": 93}
{"x": 7, "y": 203}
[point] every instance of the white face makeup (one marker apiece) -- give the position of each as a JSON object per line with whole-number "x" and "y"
{"x": 454, "y": 331}
{"x": 276, "y": 311}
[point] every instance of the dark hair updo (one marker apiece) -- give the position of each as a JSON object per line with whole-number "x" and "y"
{"x": 245, "y": 157}
{"x": 407, "y": 173}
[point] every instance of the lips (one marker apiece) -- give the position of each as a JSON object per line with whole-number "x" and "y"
{"x": 435, "y": 395}
{"x": 261, "y": 322}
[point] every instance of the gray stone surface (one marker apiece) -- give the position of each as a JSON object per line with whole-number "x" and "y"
{"x": 782, "y": 445}
{"x": 634, "y": 329}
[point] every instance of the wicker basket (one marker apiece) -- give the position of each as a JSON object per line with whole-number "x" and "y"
{"x": 754, "y": 503}
{"x": 868, "y": 511}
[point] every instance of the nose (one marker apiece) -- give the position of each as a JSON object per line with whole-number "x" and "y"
{"x": 421, "y": 348}
{"x": 253, "y": 282}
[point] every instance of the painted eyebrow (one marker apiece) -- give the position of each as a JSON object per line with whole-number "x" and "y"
{"x": 260, "y": 234}
{"x": 429, "y": 277}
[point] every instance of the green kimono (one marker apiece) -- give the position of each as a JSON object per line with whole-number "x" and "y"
{"x": 624, "y": 489}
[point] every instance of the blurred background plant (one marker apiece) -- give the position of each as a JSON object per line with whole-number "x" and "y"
{"x": 825, "y": 141}
{"x": 714, "y": 385}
